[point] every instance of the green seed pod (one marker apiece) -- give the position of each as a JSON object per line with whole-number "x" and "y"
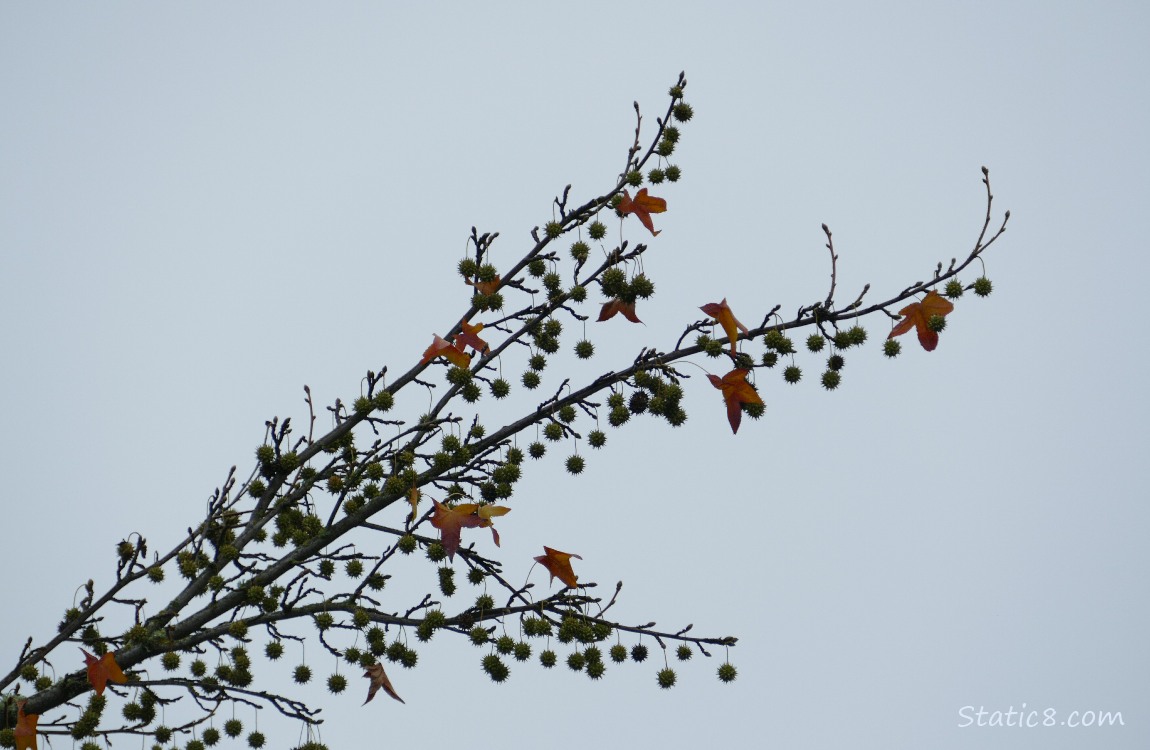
{"x": 596, "y": 669}
{"x": 835, "y": 362}
{"x": 639, "y": 652}
{"x": 618, "y": 416}
{"x": 618, "y": 653}
{"x": 614, "y": 282}
{"x": 162, "y": 735}
{"x": 470, "y": 392}
{"x": 487, "y": 272}
{"x": 531, "y": 380}
{"x": 567, "y": 413}
{"x": 983, "y": 287}
{"x": 597, "y": 230}
{"x": 552, "y": 281}
{"x": 682, "y": 112}
{"x": 673, "y": 173}
{"x": 514, "y": 456}
{"x": 666, "y": 678}
{"x": 337, "y": 683}
{"x": 458, "y": 375}
{"x": 665, "y": 148}
{"x": 580, "y": 251}
{"x": 727, "y": 672}
{"x": 273, "y": 650}
{"x": 656, "y": 176}
{"x": 575, "y": 464}
{"x": 192, "y": 745}
{"x": 792, "y": 374}
{"x": 537, "y": 362}
{"x": 446, "y": 585}
{"x": 676, "y": 92}
{"x": 257, "y": 739}
{"x": 363, "y": 405}
{"x": 324, "y": 620}
{"x": 211, "y": 736}
{"x": 639, "y": 402}
{"x": 477, "y": 431}
{"x": 478, "y": 635}
{"x": 683, "y": 652}
{"x": 537, "y": 267}
{"x": 547, "y": 658}
{"x": 856, "y": 335}
{"x": 831, "y": 380}
{"x": 642, "y": 286}
{"x": 842, "y": 340}
{"x": 407, "y": 544}
{"x": 495, "y": 668}
{"x": 500, "y": 388}
{"x": 435, "y": 552}
{"x": 553, "y": 229}
{"x": 549, "y": 344}
{"x": 266, "y": 454}
{"x": 156, "y": 574}
{"x": 326, "y": 568}
{"x": 596, "y": 438}
{"x": 936, "y": 323}
{"x": 234, "y": 727}
{"x": 383, "y": 400}
{"x": 584, "y": 349}
{"x": 468, "y": 268}
{"x": 522, "y": 651}
{"x": 815, "y": 342}
{"x": 553, "y": 431}
{"x": 634, "y": 178}
{"x": 169, "y": 661}
{"x": 505, "y": 644}
{"x": 770, "y": 359}
{"x": 714, "y": 348}
{"x": 536, "y": 449}
{"x": 576, "y": 661}
{"x": 755, "y": 411}
{"x": 953, "y": 289}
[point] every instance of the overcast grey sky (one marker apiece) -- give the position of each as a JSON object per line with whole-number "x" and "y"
{"x": 204, "y": 208}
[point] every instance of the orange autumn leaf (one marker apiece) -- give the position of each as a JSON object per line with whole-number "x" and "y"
{"x": 558, "y": 564}
{"x": 736, "y": 392}
{"x": 103, "y": 669}
{"x": 440, "y": 347}
{"x": 379, "y": 680}
{"x": 469, "y": 336}
{"x": 452, "y": 521}
{"x": 724, "y": 317}
{"x": 918, "y": 315}
{"x": 413, "y": 498}
{"x": 642, "y": 205}
{"x": 25, "y": 730}
{"x": 618, "y": 306}
{"x": 485, "y": 287}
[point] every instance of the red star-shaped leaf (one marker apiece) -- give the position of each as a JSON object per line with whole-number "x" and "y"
{"x": 559, "y": 565}
{"x": 723, "y": 315}
{"x": 642, "y": 205}
{"x": 379, "y": 680}
{"x": 619, "y": 307}
{"x": 25, "y": 730}
{"x": 736, "y": 392}
{"x": 452, "y": 521}
{"x": 918, "y": 315}
{"x": 101, "y": 670}
{"x": 469, "y": 336}
{"x": 441, "y": 347}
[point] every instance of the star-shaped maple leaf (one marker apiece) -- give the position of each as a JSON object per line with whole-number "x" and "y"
{"x": 918, "y": 315}
{"x": 452, "y": 521}
{"x": 723, "y": 315}
{"x": 469, "y": 336}
{"x": 101, "y": 670}
{"x": 736, "y": 392}
{"x": 619, "y": 307}
{"x": 558, "y": 564}
{"x": 485, "y": 287}
{"x": 642, "y": 205}
{"x": 441, "y": 347}
{"x": 379, "y": 680}
{"x": 25, "y": 730}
